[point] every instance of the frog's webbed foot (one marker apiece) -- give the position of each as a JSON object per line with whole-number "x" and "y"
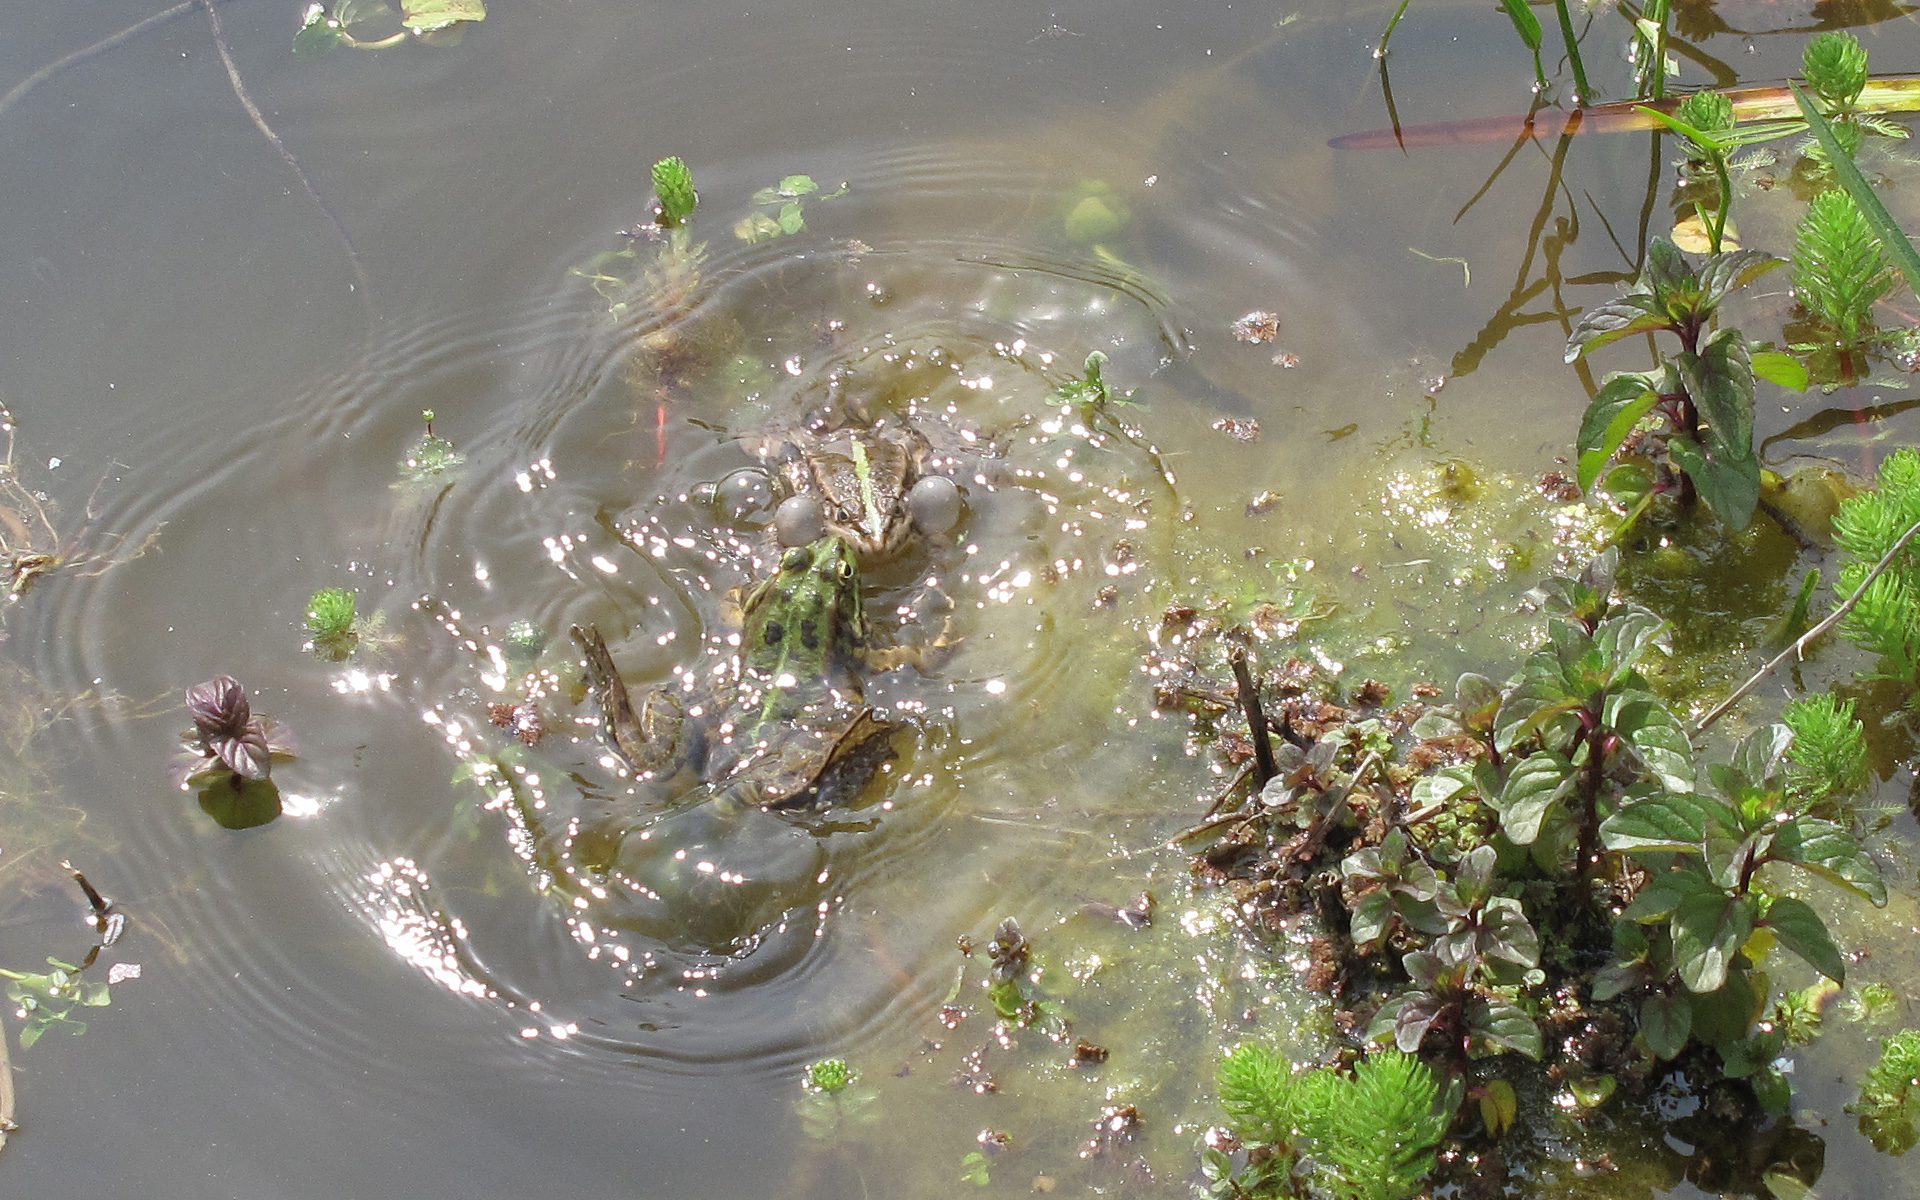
{"x": 925, "y": 638}
{"x": 646, "y": 739}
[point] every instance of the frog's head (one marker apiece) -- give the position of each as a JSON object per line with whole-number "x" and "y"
{"x": 864, "y": 487}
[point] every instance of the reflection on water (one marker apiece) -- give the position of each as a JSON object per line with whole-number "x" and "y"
{"x": 395, "y": 952}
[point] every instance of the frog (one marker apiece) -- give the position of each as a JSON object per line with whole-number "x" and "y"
{"x": 870, "y": 485}
{"x": 792, "y": 730}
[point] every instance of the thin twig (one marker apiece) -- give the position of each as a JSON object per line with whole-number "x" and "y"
{"x": 293, "y": 164}
{"x": 1264, "y": 768}
{"x": 1233, "y": 785}
{"x": 100, "y": 47}
{"x": 1804, "y": 640}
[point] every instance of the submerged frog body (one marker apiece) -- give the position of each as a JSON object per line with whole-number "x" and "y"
{"x": 792, "y": 730}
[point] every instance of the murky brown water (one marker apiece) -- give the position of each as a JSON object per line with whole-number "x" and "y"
{"x": 369, "y": 996}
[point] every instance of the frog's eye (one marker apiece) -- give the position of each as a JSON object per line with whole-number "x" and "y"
{"x": 934, "y": 504}
{"x": 798, "y": 521}
{"x": 795, "y": 559}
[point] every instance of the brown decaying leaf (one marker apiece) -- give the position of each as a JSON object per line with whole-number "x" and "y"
{"x": 1257, "y": 326}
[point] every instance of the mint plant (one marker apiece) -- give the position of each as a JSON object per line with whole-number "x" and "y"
{"x": 1698, "y": 404}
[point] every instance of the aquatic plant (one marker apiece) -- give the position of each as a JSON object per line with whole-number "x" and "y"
{"x": 1832, "y": 138}
{"x": 780, "y": 210}
{"x": 1840, "y": 271}
{"x": 1368, "y": 1135}
{"x": 674, "y": 196}
{"x": 1692, "y": 954}
{"x": 226, "y": 730}
{"x": 1828, "y": 757}
{"x": 1886, "y": 615}
{"x": 1889, "y": 1103}
{"x": 1527, "y": 26}
{"x": 324, "y": 27}
{"x": 1092, "y": 212}
{"x": 431, "y": 456}
{"x": 1091, "y": 393}
{"x": 829, "y": 1075}
{"x": 1699, "y": 401}
{"x": 1872, "y": 1005}
{"x": 1013, "y": 989}
{"x": 832, "y": 1102}
{"x": 48, "y": 999}
{"x": 332, "y": 622}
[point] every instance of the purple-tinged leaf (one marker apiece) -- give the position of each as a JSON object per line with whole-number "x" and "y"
{"x": 1661, "y": 895}
{"x": 1732, "y": 270}
{"x": 219, "y": 707}
{"x": 1536, "y": 785}
{"x": 1503, "y": 1025}
{"x": 1611, "y": 322}
{"x": 246, "y": 755}
{"x": 1506, "y": 933}
{"x": 1618, "y": 978}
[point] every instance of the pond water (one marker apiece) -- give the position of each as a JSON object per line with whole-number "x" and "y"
{"x": 215, "y": 379}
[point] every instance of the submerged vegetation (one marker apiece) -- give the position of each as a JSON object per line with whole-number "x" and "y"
{"x": 1368, "y": 1134}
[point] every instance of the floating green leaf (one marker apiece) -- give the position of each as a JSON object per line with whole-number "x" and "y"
{"x": 430, "y": 16}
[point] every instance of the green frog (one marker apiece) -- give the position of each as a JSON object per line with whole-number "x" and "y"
{"x": 873, "y": 486}
{"x": 792, "y": 730}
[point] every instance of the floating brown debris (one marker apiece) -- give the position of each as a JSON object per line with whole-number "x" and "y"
{"x": 1086, "y": 1054}
{"x": 1239, "y": 429}
{"x": 1263, "y": 503}
{"x": 1257, "y": 326}
{"x": 1556, "y": 485}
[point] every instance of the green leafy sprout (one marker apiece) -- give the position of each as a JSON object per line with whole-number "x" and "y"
{"x": 1091, "y": 393}
{"x": 330, "y": 613}
{"x": 431, "y": 457}
{"x": 674, "y": 196}
{"x": 829, "y": 1075}
{"x": 1369, "y": 1135}
{"x": 1829, "y": 751}
{"x": 1840, "y": 270}
{"x": 1889, "y": 1103}
{"x": 1886, "y": 617}
{"x": 333, "y": 623}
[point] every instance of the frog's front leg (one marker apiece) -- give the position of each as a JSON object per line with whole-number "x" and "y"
{"x": 649, "y": 739}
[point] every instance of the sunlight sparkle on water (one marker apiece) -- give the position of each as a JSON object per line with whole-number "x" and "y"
{"x": 295, "y": 805}
{"x": 358, "y": 682}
